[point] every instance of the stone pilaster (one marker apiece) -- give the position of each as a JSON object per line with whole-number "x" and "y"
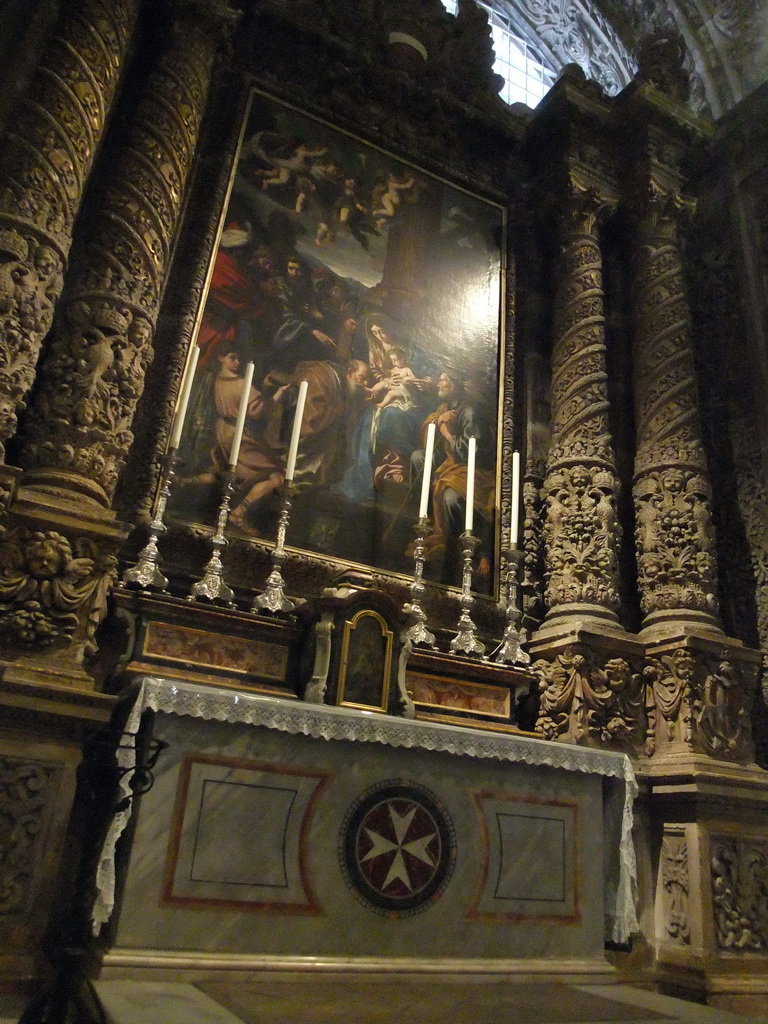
{"x": 79, "y": 430}
{"x": 48, "y": 152}
{"x": 581, "y": 530}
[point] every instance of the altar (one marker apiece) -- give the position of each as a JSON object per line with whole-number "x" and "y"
{"x": 281, "y": 833}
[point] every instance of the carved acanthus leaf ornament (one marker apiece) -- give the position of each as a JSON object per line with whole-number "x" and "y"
{"x": 587, "y": 697}
{"x": 740, "y": 895}
{"x": 26, "y": 789}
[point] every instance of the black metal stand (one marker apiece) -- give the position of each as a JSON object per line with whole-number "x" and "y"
{"x": 69, "y": 996}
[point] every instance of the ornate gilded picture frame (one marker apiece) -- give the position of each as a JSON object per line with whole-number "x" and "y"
{"x": 382, "y": 286}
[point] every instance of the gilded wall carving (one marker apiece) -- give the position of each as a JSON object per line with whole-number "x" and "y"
{"x": 585, "y": 696}
{"x": 675, "y": 888}
{"x": 740, "y": 894}
{"x": 26, "y": 791}
{"x": 94, "y": 373}
{"x": 48, "y": 151}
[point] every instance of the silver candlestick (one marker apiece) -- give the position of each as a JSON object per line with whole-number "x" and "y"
{"x": 211, "y": 585}
{"x": 509, "y": 651}
{"x": 466, "y": 639}
{"x": 146, "y": 572}
{"x": 273, "y": 598}
{"x": 418, "y": 632}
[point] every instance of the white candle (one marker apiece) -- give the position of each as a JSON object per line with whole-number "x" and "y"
{"x": 293, "y": 449}
{"x": 242, "y": 412}
{"x": 186, "y": 391}
{"x": 515, "y": 517}
{"x": 470, "y": 485}
{"x": 428, "y": 453}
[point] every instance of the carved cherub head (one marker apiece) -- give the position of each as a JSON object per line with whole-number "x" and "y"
{"x": 47, "y": 555}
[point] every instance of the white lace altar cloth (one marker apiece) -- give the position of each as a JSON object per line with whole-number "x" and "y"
{"x": 332, "y": 723}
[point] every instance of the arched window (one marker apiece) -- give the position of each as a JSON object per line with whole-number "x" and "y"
{"x": 526, "y": 78}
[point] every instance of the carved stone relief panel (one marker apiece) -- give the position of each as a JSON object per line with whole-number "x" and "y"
{"x": 739, "y": 875}
{"x": 27, "y": 791}
{"x": 675, "y": 887}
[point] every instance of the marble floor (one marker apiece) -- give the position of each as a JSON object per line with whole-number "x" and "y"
{"x": 293, "y": 999}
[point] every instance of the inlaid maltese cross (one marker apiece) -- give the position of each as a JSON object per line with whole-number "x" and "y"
{"x": 382, "y": 846}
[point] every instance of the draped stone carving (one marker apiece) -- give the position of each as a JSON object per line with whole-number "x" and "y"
{"x": 589, "y": 697}
{"x": 581, "y": 530}
{"x": 674, "y": 534}
{"x": 48, "y": 151}
{"x": 80, "y": 428}
{"x": 702, "y": 699}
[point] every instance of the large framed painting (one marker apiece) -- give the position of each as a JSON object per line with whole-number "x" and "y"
{"x": 381, "y": 285}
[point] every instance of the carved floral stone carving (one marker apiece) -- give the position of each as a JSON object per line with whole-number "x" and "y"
{"x": 47, "y": 156}
{"x": 702, "y": 700}
{"x": 740, "y": 894}
{"x": 52, "y": 591}
{"x": 581, "y": 530}
{"x": 101, "y": 345}
{"x": 675, "y": 888}
{"x": 587, "y": 697}
{"x": 26, "y": 790}
{"x": 674, "y": 535}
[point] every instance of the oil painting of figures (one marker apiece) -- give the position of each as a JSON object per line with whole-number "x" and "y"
{"x": 380, "y": 286}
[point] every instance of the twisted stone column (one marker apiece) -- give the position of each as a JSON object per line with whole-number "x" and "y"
{"x": 672, "y": 493}
{"x": 581, "y": 531}
{"x": 79, "y": 431}
{"x": 47, "y": 154}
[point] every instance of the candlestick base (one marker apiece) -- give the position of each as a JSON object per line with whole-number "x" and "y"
{"x": 417, "y": 632}
{"x": 146, "y": 573}
{"x": 510, "y": 651}
{"x": 273, "y": 599}
{"x": 211, "y": 586}
{"x": 465, "y": 641}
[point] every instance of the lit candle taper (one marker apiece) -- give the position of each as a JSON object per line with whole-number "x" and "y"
{"x": 470, "y": 516}
{"x": 242, "y": 412}
{"x": 428, "y": 453}
{"x": 293, "y": 449}
{"x": 515, "y": 516}
{"x": 186, "y": 391}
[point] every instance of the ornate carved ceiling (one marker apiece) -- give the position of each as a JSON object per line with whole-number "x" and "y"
{"x": 726, "y": 41}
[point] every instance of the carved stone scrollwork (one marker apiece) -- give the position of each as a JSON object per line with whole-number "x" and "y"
{"x": 586, "y": 697}
{"x": 581, "y": 530}
{"x": 702, "y": 700}
{"x": 740, "y": 894}
{"x": 674, "y": 535}
{"x": 26, "y": 790}
{"x": 47, "y": 156}
{"x": 675, "y": 888}
{"x": 53, "y": 592}
{"x": 79, "y": 432}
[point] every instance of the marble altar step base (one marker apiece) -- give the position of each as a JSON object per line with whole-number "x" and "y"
{"x": 300, "y": 999}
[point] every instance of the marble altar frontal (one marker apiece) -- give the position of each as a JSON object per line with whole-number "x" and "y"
{"x": 258, "y": 841}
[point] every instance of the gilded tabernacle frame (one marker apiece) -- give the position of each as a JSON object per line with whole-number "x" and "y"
{"x": 383, "y": 286}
